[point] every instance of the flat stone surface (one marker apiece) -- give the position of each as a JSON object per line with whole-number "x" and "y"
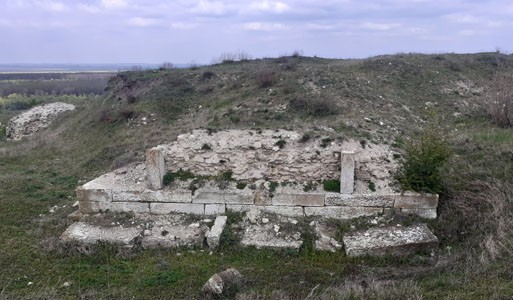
{"x": 222, "y": 197}
{"x": 214, "y": 235}
{"x": 174, "y": 235}
{"x": 325, "y": 237}
{"x": 342, "y": 212}
{"x": 391, "y": 240}
{"x": 426, "y": 213}
{"x": 215, "y": 209}
{"x": 279, "y": 210}
{"x": 411, "y": 200}
{"x": 90, "y": 234}
{"x": 365, "y": 200}
{"x": 265, "y": 236}
{"x": 167, "y": 208}
{"x": 347, "y": 172}
{"x": 298, "y": 199}
{"x": 90, "y": 207}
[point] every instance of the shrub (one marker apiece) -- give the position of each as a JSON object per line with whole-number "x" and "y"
{"x": 207, "y": 75}
{"x": 265, "y": 78}
{"x": 331, "y": 185}
{"x": 241, "y": 185}
{"x": 127, "y": 113}
{"x": 372, "y": 186}
{"x": 317, "y": 107}
{"x": 183, "y": 175}
{"x": 3, "y": 132}
{"x": 499, "y": 100}
{"x": 206, "y": 147}
{"x": 425, "y": 156}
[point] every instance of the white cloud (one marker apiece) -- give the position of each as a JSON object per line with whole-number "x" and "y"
{"x": 258, "y": 26}
{"x": 379, "y": 26}
{"x": 142, "y": 22}
{"x": 462, "y": 18}
{"x": 315, "y": 26}
{"x": 52, "y": 5}
{"x": 210, "y": 7}
{"x": 269, "y": 6}
{"x": 89, "y": 8}
{"x": 114, "y": 3}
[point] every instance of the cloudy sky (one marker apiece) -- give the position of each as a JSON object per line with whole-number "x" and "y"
{"x": 184, "y": 31}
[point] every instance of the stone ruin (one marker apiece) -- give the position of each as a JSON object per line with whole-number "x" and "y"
{"x": 283, "y": 180}
{"x": 35, "y": 119}
{"x": 262, "y": 173}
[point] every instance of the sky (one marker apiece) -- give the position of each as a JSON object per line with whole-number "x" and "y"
{"x": 199, "y": 31}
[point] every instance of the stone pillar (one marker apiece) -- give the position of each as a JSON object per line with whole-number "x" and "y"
{"x": 155, "y": 168}
{"x": 346, "y": 172}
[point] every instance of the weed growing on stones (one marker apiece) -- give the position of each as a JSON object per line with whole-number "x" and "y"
{"x": 332, "y": 185}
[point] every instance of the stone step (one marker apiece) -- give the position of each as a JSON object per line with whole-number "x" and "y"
{"x": 392, "y": 240}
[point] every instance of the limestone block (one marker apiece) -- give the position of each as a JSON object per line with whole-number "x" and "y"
{"x": 298, "y": 199}
{"x": 342, "y": 212}
{"x": 346, "y": 172}
{"x": 167, "y": 208}
{"x": 127, "y": 196}
{"x": 178, "y": 196}
{"x": 215, "y": 209}
{"x": 426, "y": 213}
{"x": 208, "y": 197}
{"x": 90, "y": 234}
{"x": 214, "y": 236}
{"x": 262, "y": 198}
{"x": 391, "y": 240}
{"x": 155, "y": 168}
{"x": 96, "y": 195}
{"x": 289, "y": 211}
{"x": 411, "y": 200}
{"x": 222, "y": 197}
{"x": 359, "y": 200}
{"x": 89, "y": 207}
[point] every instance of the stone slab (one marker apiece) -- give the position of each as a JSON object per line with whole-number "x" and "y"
{"x": 155, "y": 168}
{"x": 390, "y": 241}
{"x": 289, "y": 211}
{"x": 222, "y": 197}
{"x": 167, "y": 208}
{"x": 298, "y": 199}
{"x": 176, "y": 235}
{"x": 342, "y": 212}
{"x": 414, "y": 200}
{"x": 90, "y": 234}
{"x": 90, "y": 207}
{"x": 347, "y": 172}
{"x": 97, "y": 195}
{"x": 215, "y": 209}
{"x": 265, "y": 236}
{"x": 366, "y": 200}
{"x": 214, "y": 235}
{"x": 426, "y": 213}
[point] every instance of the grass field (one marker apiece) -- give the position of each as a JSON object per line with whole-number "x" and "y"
{"x": 384, "y": 99}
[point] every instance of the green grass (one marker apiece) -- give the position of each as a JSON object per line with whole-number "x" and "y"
{"x": 42, "y": 172}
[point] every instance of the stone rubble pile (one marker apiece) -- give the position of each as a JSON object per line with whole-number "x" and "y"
{"x": 36, "y": 118}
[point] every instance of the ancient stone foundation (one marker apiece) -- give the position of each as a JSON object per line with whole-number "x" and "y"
{"x": 277, "y": 172}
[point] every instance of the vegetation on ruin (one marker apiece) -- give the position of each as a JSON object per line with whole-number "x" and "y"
{"x": 386, "y": 99}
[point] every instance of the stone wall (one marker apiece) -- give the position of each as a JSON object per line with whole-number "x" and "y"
{"x": 282, "y": 180}
{"x": 255, "y": 155}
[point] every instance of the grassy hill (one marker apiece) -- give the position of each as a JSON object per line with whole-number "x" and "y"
{"x": 386, "y": 99}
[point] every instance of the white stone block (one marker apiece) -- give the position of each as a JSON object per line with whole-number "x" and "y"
{"x": 426, "y": 213}
{"x": 289, "y": 211}
{"x": 346, "y": 172}
{"x": 167, "y": 208}
{"x": 89, "y": 207}
{"x": 214, "y": 235}
{"x": 342, "y": 212}
{"x": 298, "y": 199}
{"x": 155, "y": 168}
{"x": 215, "y": 209}
{"x": 366, "y": 200}
{"x": 412, "y": 200}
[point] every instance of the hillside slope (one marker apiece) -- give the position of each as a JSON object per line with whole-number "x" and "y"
{"x": 386, "y": 99}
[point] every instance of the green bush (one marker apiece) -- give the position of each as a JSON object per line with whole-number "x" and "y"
{"x": 183, "y": 175}
{"x": 280, "y": 143}
{"x": 3, "y": 132}
{"x": 420, "y": 171}
{"x": 332, "y": 185}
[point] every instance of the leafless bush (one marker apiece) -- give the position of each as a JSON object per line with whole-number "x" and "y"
{"x": 231, "y": 57}
{"x": 166, "y": 66}
{"x": 499, "y": 100}
{"x": 297, "y": 53}
{"x": 317, "y": 107}
{"x": 265, "y": 78}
